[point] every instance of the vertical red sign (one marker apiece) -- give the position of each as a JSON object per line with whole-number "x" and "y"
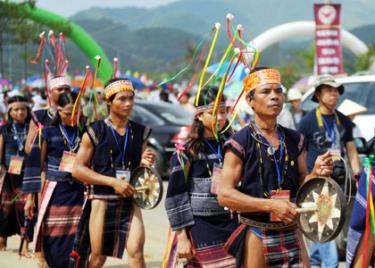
{"x": 328, "y": 39}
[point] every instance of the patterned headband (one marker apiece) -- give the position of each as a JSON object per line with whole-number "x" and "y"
{"x": 260, "y": 78}
{"x": 117, "y": 86}
{"x": 10, "y": 106}
{"x": 201, "y": 109}
{"x": 58, "y": 82}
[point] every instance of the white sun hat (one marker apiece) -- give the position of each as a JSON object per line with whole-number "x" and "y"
{"x": 349, "y": 107}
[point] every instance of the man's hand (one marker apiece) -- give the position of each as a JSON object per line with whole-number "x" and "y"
{"x": 323, "y": 165}
{"x": 123, "y": 188}
{"x": 148, "y": 158}
{"x": 29, "y": 206}
{"x": 184, "y": 248}
{"x": 285, "y": 210}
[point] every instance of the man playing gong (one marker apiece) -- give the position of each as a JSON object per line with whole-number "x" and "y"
{"x": 264, "y": 166}
{"x": 113, "y": 148}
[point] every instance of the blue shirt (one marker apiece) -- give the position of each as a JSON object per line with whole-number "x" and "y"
{"x": 318, "y": 140}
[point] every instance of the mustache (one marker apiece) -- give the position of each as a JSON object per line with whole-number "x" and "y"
{"x": 274, "y": 103}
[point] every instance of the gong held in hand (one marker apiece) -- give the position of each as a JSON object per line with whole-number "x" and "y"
{"x": 321, "y": 205}
{"x": 149, "y": 186}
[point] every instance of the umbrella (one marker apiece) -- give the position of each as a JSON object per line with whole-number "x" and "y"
{"x": 238, "y": 75}
{"x": 137, "y": 83}
{"x": 4, "y": 82}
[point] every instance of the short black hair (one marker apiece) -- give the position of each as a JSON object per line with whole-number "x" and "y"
{"x": 17, "y": 98}
{"x": 256, "y": 69}
{"x": 110, "y": 81}
{"x": 208, "y": 95}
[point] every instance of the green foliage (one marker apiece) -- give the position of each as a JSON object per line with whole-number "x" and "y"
{"x": 14, "y": 22}
{"x": 195, "y": 16}
{"x": 17, "y": 31}
{"x": 307, "y": 56}
{"x": 290, "y": 73}
{"x": 362, "y": 62}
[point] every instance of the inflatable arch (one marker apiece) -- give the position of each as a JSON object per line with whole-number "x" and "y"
{"x": 304, "y": 28}
{"x": 76, "y": 33}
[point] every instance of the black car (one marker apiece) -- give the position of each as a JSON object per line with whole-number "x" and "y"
{"x": 170, "y": 125}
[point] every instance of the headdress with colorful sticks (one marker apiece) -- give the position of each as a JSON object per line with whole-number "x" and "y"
{"x": 76, "y": 112}
{"x": 115, "y": 63}
{"x": 116, "y": 85}
{"x": 52, "y": 55}
{"x": 237, "y": 51}
{"x": 93, "y": 97}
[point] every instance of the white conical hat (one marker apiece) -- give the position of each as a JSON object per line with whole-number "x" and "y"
{"x": 349, "y": 107}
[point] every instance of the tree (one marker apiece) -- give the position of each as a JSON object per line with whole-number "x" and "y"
{"x": 16, "y": 29}
{"x": 290, "y": 73}
{"x": 363, "y": 62}
{"x": 307, "y": 56}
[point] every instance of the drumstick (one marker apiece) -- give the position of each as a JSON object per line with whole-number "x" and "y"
{"x": 307, "y": 207}
{"x": 142, "y": 188}
{"x": 304, "y": 210}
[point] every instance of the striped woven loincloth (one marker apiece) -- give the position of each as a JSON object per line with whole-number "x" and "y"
{"x": 281, "y": 248}
{"x": 116, "y": 224}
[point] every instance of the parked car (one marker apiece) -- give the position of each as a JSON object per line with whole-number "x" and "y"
{"x": 359, "y": 88}
{"x": 170, "y": 124}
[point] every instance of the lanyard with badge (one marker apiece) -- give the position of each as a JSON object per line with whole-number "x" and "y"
{"x": 121, "y": 173}
{"x": 216, "y": 174}
{"x": 323, "y": 124}
{"x": 16, "y": 161}
{"x": 277, "y": 194}
{"x": 68, "y": 157}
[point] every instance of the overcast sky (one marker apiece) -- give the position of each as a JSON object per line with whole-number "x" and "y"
{"x": 70, "y": 7}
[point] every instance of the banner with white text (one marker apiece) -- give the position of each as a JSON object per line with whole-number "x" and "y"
{"x": 328, "y": 54}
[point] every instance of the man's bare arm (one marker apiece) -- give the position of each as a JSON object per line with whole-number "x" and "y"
{"x": 81, "y": 170}
{"x": 230, "y": 197}
{"x": 30, "y": 137}
{"x": 353, "y": 156}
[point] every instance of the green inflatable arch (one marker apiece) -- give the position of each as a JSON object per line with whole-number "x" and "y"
{"x": 76, "y": 33}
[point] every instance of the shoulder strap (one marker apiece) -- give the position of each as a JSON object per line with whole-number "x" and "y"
{"x": 319, "y": 118}
{"x": 146, "y": 133}
{"x": 34, "y": 118}
{"x": 93, "y": 136}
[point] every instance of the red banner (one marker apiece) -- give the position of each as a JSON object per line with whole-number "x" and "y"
{"x": 328, "y": 39}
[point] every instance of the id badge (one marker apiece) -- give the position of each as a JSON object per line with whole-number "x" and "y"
{"x": 336, "y": 154}
{"x": 122, "y": 174}
{"x": 67, "y": 162}
{"x": 279, "y": 195}
{"x": 216, "y": 178}
{"x": 15, "y": 166}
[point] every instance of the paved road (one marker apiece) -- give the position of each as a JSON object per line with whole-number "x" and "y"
{"x": 156, "y": 224}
